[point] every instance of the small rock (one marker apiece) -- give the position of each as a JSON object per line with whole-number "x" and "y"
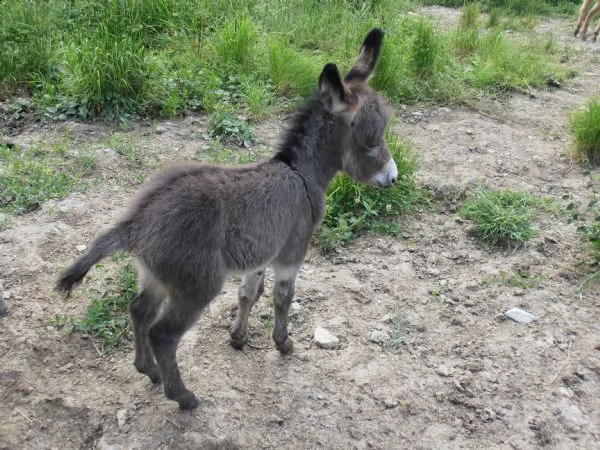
{"x": 469, "y": 132}
{"x": 160, "y": 129}
{"x": 325, "y": 339}
{"x": 81, "y": 247}
{"x": 518, "y": 315}
{"x": 379, "y": 337}
{"x": 296, "y": 306}
{"x": 444, "y": 371}
{"x": 6, "y": 295}
{"x": 122, "y": 417}
{"x": 390, "y": 402}
{"x": 104, "y": 445}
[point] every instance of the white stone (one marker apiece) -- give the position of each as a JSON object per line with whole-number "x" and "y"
{"x": 325, "y": 339}
{"x": 81, "y": 247}
{"x": 122, "y": 417}
{"x": 379, "y": 337}
{"x": 520, "y": 316}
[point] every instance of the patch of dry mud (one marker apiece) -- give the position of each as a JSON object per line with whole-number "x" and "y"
{"x": 465, "y": 377}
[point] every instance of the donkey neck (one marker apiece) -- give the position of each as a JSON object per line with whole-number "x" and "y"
{"x": 313, "y": 144}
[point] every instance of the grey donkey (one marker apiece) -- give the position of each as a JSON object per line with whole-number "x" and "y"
{"x": 197, "y": 224}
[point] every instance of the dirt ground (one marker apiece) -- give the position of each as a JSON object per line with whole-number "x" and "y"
{"x": 465, "y": 376}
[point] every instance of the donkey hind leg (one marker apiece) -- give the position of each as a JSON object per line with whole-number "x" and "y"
{"x": 283, "y": 293}
{"x": 144, "y": 309}
{"x": 250, "y": 290}
{"x": 179, "y": 315}
{"x": 582, "y": 15}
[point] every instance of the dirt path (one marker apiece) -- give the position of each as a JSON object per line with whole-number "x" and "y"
{"x": 462, "y": 377}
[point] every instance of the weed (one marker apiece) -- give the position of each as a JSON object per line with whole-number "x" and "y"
{"x": 521, "y": 278}
{"x": 126, "y": 147}
{"x": 230, "y": 128}
{"x": 31, "y": 176}
{"x": 400, "y": 329}
{"x": 501, "y": 217}
{"x": 107, "y": 315}
{"x": 585, "y": 125}
{"x": 353, "y": 207}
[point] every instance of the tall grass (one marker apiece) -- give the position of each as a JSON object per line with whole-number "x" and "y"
{"x": 585, "y": 125}
{"x": 163, "y": 57}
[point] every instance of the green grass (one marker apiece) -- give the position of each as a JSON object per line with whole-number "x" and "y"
{"x": 585, "y": 125}
{"x": 520, "y": 278}
{"x": 502, "y": 218}
{"x": 31, "y": 176}
{"x": 353, "y": 207}
{"x": 165, "y": 57}
{"x": 108, "y": 313}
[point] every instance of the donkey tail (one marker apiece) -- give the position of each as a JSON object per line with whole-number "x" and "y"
{"x": 106, "y": 244}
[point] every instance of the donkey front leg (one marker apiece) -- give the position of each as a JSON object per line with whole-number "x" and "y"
{"x": 283, "y": 293}
{"x": 252, "y": 287}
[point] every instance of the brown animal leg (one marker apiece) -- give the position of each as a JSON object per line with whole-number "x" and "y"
{"x": 588, "y": 19}
{"x": 582, "y": 15}
{"x": 144, "y": 309}
{"x": 252, "y": 287}
{"x": 283, "y": 293}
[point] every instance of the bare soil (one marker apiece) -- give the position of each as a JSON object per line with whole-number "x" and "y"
{"x": 464, "y": 376}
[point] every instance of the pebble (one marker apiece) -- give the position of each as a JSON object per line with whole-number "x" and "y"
{"x": 81, "y": 247}
{"x": 122, "y": 417}
{"x": 296, "y": 306}
{"x": 519, "y": 315}
{"x": 379, "y": 337}
{"x": 104, "y": 445}
{"x": 6, "y": 295}
{"x": 325, "y": 339}
{"x": 444, "y": 371}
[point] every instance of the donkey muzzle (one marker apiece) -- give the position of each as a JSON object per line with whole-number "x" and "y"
{"x": 387, "y": 176}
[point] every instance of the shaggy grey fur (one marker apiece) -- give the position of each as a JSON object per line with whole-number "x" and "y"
{"x": 197, "y": 224}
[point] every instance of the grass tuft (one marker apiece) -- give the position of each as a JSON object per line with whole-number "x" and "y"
{"x": 585, "y": 125}
{"x": 501, "y": 218}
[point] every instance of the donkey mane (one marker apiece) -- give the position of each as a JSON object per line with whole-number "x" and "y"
{"x": 304, "y": 123}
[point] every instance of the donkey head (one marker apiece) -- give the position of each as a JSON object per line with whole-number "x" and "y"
{"x": 364, "y": 113}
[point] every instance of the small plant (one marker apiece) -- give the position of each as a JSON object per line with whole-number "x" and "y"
{"x": 127, "y": 148}
{"x": 31, "y": 176}
{"x": 400, "y": 329}
{"x": 585, "y": 124}
{"x": 353, "y": 207}
{"x": 228, "y": 127}
{"x": 521, "y": 278}
{"x": 107, "y": 315}
{"x": 501, "y": 218}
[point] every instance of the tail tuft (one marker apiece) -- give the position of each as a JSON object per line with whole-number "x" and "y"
{"x": 105, "y": 245}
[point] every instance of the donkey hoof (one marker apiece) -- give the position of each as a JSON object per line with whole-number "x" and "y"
{"x": 286, "y": 347}
{"x": 238, "y": 343}
{"x": 188, "y": 401}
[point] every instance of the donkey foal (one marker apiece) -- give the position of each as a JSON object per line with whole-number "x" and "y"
{"x": 197, "y": 224}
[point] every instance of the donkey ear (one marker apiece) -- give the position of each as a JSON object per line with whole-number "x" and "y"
{"x": 335, "y": 97}
{"x": 367, "y": 58}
